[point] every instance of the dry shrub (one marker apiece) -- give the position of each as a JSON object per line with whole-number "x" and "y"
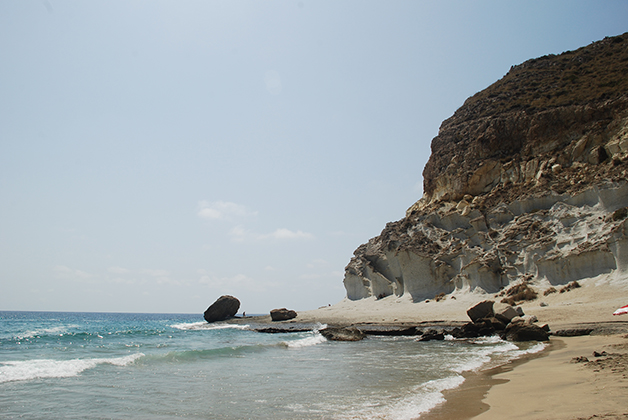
{"x": 570, "y": 286}
{"x": 439, "y": 297}
{"x": 550, "y": 291}
{"x": 519, "y": 292}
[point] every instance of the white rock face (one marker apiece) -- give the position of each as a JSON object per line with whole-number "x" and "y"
{"x": 553, "y": 238}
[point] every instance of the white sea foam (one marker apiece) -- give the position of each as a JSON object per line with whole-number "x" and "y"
{"x": 420, "y": 400}
{"x": 499, "y": 354}
{"x": 43, "y": 331}
{"x": 534, "y": 349}
{"x": 47, "y": 368}
{"x": 206, "y": 326}
{"x": 425, "y": 397}
{"x": 482, "y": 355}
{"x": 312, "y": 340}
{"x": 319, "y": 327}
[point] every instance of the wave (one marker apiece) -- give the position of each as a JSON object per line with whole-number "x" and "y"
{"x": 43, "y": 332}
{"x": 64, "y": 333}
{"x": 426, "y": 397}
{"x": 25, "y": 370}
{"x": 489, "y": 352}
{"x": 312, "y": 340}
{"x": 480, "y": 356}
{"x": 199, "y": 326}
{"x": 182, "y": 356}
{"x": 419, "y": 400}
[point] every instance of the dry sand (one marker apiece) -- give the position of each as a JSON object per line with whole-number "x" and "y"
{"x": 546, "y": 386}
{"x": 554, "y": 387}
{"x": 594, "y": 302}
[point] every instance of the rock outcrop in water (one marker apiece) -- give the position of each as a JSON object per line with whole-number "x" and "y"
{"x": 527, "y": 182}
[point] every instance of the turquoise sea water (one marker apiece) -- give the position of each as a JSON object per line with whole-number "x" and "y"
{"x": 165, "y": 366}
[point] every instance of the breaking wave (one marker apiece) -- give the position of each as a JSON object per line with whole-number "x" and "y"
{"x": 24, "y": 370}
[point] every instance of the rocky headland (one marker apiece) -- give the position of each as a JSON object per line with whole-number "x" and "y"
{"x": 526, "y": 183}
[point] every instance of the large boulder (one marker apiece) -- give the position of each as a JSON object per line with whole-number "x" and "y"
{"x": 525, "y": 332}
{"x": 225, "y": 307}
{"x": 342, "y": 334}
{"x": 481, "y": 310}
{"x": 282, "y": 314}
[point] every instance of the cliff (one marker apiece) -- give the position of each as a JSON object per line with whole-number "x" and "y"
{"x": 526, "y": 183}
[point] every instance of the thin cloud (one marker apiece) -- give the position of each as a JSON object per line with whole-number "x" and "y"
{"x": 223, "y": 210}
{"x": 318, "y": 262}
{"x": 118, "y": 270}
{"x": 161, "y": 276}
{"x": 287, "y": 234}
{"x": 155, "y": 272}
{"x": 67, "y": 273}
{"x": 232, "y": 284}
{"x": 240, "y": 234}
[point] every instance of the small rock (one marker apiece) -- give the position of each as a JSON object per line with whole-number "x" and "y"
{"x": 573, "y": 332}
{"x": 430, "y": 335}
{"x": 342, "y": 334}
{"x": 596, "y": 354}
{"x": 282, "y": 314}
{"x": 543, "y": 304}
{"x": 579, "y": 359}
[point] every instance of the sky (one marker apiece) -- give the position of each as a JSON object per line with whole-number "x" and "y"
{"x": 155, "y": 155}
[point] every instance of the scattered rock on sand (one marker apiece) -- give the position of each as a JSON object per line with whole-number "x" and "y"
{"x": 225, "y": 307}
{"x": 282, "y": 314}
{"x": 573, "y": 332}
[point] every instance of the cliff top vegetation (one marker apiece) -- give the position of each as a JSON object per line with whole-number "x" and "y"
{"x": 597, "y": 72}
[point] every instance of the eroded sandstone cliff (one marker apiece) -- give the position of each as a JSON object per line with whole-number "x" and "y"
{"x": 527, "y": 180}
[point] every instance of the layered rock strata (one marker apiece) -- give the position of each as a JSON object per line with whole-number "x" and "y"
{"x": 527, "y": 181}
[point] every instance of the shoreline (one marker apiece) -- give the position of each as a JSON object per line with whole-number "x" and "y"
{"x": 540, "y": 386}
{"x": 468, "y": 400}
{"x": 547, "y": 385}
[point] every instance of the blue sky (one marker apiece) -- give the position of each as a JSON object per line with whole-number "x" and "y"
{"x": 155, "y": 155}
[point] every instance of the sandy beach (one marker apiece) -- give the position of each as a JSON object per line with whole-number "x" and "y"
{"x": 558, "y": 383}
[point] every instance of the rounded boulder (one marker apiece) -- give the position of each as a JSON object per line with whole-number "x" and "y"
{"x": 225, "y": 307}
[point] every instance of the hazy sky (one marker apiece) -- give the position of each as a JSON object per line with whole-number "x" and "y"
{"x": 155, "y": 155}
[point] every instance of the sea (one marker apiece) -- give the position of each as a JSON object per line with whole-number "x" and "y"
{"x": 56, "y": 365}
